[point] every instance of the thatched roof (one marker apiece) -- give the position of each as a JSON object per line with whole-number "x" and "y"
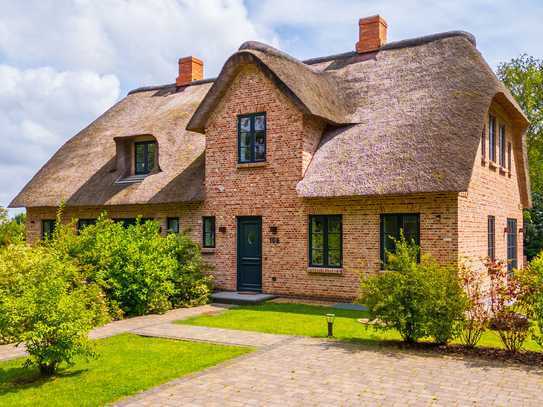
{"x": 315, "y": 92}
{"x": 404, "y": 119}
{"x": 84, "y": 171}
{"x": 421, "y": 106}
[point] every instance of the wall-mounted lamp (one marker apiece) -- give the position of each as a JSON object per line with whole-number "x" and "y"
{"x": 222, "y": 229}
{"x": 273, "y": 230}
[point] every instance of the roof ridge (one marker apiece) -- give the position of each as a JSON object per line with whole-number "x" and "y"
{"x": 170, "y": 85}
{"x": 410, "y": 42}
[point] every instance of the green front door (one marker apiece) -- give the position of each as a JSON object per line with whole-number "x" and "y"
{"x": 250, "y": 253}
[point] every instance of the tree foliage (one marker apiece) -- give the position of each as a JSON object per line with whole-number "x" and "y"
{"x": 48, "y": 305}
{"x": 11, "y": 230}
{"x": 524, "y": 78}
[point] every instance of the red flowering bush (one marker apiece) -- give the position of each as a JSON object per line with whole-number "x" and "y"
{"x": 477, "y": 313}
{"x": 507, "y": 304}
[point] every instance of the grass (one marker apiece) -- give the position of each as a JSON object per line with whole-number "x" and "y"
{"x": 126, "y": 364}
{"x": 308, "y": 320}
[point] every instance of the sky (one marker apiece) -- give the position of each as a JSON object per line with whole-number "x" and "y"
{"x": 64, "y": 62}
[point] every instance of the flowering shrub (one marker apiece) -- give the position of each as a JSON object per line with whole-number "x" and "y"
{"x": 507, "y": 304}
{"x": 477, "y": 312}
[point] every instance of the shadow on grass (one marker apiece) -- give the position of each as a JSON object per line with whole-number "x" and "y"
{"x": 485, "y": 358}
{"x": 18, "y": 378}
{"x": 303, "y": 309}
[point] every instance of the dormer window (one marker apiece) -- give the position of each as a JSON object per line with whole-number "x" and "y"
{"x": 252, "y": 138}
{"x": 145, "y": 153}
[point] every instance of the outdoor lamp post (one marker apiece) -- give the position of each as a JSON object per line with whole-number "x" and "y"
{"x": 330, "y": 319}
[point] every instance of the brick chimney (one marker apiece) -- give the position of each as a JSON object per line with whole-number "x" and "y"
{"x": 190, "y": 69}
{"x": 372, "y": 34}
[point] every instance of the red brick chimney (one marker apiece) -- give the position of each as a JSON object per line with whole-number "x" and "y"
{"x": 190, "y": 69}
{"x": 372, "y": 34}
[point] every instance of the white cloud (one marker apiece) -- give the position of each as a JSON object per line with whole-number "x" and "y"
{"x": 39, "y": 110}
{"x": 140, "y": 41}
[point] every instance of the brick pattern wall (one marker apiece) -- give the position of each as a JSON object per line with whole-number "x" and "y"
{"x": 492, "y": 191}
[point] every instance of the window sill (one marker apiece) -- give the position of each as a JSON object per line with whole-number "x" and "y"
{"x": 492, "y": 164}
{"x": 132, "y": 179}
{"x": 503, "y": 170}
{"x": 325, "y": 270}
{"x": 208, "y": 250}
{"x": 252, "y": 165}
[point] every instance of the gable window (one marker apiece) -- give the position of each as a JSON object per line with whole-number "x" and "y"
{"x": 492, "y": 138}
{"x": 172, "y": 225}
{"x": 145, "y": 153}
{"x": 47, "y": 228}
{"x": 83, "y": 223}
{"x": 483, "y": 144}
{"x": 392, "y": 226}
{"x": 325, "y": 241}
{"x": 502, "y": 146}
{"x": 512, "y": 261}
{"x": 491, "y": 240}
{"x": 509, "y": 155}
{"x": 252, "y": 138}
{"x": 208, "y": 231}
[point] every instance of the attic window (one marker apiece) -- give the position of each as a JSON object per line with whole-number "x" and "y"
{"x": 145, "y": 153}
{"x": 252, "y": 138}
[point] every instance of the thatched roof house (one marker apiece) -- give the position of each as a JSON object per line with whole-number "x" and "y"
{"x": 296, "y": 175}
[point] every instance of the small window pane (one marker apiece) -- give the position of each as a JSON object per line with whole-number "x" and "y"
{"x": 140, "y": 158}
{"x": 317, "y": 257}
{"x": 209, "y": 231}
{"x": 411, "y": 228}
{"x": 260, "y": 123}
{"x": 392, "y": 225}
{"x": 151, "y": 151}
{"x": 317, "y": 224}
{"x": 173, "y": 225}
{"x": 334, "y": 225}
{"x": 245, "y": 154}
{"x": 334, "y": 258}
{"x": 47, "y": 228}
{"x": 334, "y": 241}
{"x": 318, "y": 241}
{"x": 245, "y": 124}
{"x": 245, "y": 140}
{"x": 260, "y": 146}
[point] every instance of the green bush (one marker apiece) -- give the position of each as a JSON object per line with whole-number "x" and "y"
{"x": 47, "y": 305}
{"x": 140, "y": 271}
{"x": 12, "y": 231}
{"x": 418, "y": 300}
{"x": 531, "y": 303}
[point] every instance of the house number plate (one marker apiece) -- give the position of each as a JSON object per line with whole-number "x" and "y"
{"x": 274, "y": 240}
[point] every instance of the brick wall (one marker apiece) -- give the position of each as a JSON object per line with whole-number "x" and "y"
{"x": 492, "y": 191}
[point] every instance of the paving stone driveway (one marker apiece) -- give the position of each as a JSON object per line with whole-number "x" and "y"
{"x": 296, "y": 371}
{"x": 308, "y": 372}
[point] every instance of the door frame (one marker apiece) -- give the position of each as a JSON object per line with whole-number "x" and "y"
{"x": 239, "y": 220}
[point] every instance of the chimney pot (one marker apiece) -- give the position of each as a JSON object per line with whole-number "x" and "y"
{"x": 372, "y": 34}
{"x": 190, "y": 69}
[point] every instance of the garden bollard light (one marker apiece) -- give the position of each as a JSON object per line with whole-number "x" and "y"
{"x": 330, "y": 319}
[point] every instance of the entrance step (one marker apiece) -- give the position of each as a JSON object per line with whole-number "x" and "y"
{"x": 240, "y": 297}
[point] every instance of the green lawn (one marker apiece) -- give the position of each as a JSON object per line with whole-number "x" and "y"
{"x": 309, "y": 320}
{"x": 126, "y": 364}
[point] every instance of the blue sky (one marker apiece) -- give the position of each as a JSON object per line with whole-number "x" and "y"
{"x": 63, "y": 62}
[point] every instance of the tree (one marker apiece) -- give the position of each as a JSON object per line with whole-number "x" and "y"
{"x": 47, "y": 304}
{"x": 524, "y": 78}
